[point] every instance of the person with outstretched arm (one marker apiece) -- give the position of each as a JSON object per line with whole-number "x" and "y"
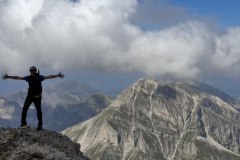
{"x": 34, "y": 93}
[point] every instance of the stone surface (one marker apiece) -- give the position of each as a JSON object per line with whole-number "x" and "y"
{"x": 30, "y": 144}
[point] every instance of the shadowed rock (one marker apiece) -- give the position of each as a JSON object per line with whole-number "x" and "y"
{"x": 28, "y": 144}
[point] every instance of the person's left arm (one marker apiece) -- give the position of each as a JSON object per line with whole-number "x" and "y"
{"x": 60, "y": 75}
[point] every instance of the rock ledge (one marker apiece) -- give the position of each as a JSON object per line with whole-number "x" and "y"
{"x": 30, "y": 144}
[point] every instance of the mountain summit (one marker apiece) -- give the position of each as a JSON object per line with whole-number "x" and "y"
{"x": 26, "y": 144}
{"x": 160, "y": 120}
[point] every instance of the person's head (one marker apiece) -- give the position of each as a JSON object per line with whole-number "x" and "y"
{"x": 33, "y": 70}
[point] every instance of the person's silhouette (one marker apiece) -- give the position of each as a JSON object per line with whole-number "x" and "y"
{"x": 34, "y": 93}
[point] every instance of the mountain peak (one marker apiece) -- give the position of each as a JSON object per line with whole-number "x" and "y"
{"x": 162, "y": 120}
{"x": 27, "y": 143}
{"x": 142, "y": 82}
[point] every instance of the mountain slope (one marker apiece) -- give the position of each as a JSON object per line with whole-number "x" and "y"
{"x": 65, "y": 115}
{"x": 31, "y": 144}
{"x": 9, "y": 112}
{"x": 163, "y": 120}
{"x": 62, "y": 107}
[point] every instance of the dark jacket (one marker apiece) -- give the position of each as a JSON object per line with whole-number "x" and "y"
{"x": 35, "y": 84}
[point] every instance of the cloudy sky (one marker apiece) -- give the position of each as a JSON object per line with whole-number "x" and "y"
{"x": 169, "y": 39}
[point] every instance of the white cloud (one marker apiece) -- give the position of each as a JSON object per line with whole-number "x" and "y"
{"x": 227, "y": 55}
{"x": 99, "y": 35}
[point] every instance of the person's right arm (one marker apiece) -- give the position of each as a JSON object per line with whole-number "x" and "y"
{"x": 12, "y": 77}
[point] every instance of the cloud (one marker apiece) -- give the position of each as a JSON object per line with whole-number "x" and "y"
{"x": 155, "y": 14}
{"x": 100, "y": 35}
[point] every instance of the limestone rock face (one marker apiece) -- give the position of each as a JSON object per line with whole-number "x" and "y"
{"x": 29, "y": 144}
{"x": 158, "y": 120}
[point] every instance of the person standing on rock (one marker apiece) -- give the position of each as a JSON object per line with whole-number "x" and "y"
{"x": 34, "y": 93}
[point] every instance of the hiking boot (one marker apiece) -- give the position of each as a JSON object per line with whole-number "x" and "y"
{"x": 23, "y": 126}
{"x": 39, "y": 128}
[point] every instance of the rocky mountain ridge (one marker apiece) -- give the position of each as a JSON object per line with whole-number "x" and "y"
{"x": 163, "y": 120}
{"x": 63, "y": 106}
{"x": 29, "y": 144}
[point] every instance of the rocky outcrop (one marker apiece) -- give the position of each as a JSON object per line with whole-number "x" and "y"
{"x": 30, "y": 144}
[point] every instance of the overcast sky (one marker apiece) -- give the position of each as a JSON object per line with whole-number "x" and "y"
{"x": 176, "y": 39}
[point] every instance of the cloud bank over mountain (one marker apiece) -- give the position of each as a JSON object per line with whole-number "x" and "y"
{"x": 101, "y": 35}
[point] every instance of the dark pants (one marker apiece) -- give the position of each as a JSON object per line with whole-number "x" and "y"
{"x": 37, "y": 102}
